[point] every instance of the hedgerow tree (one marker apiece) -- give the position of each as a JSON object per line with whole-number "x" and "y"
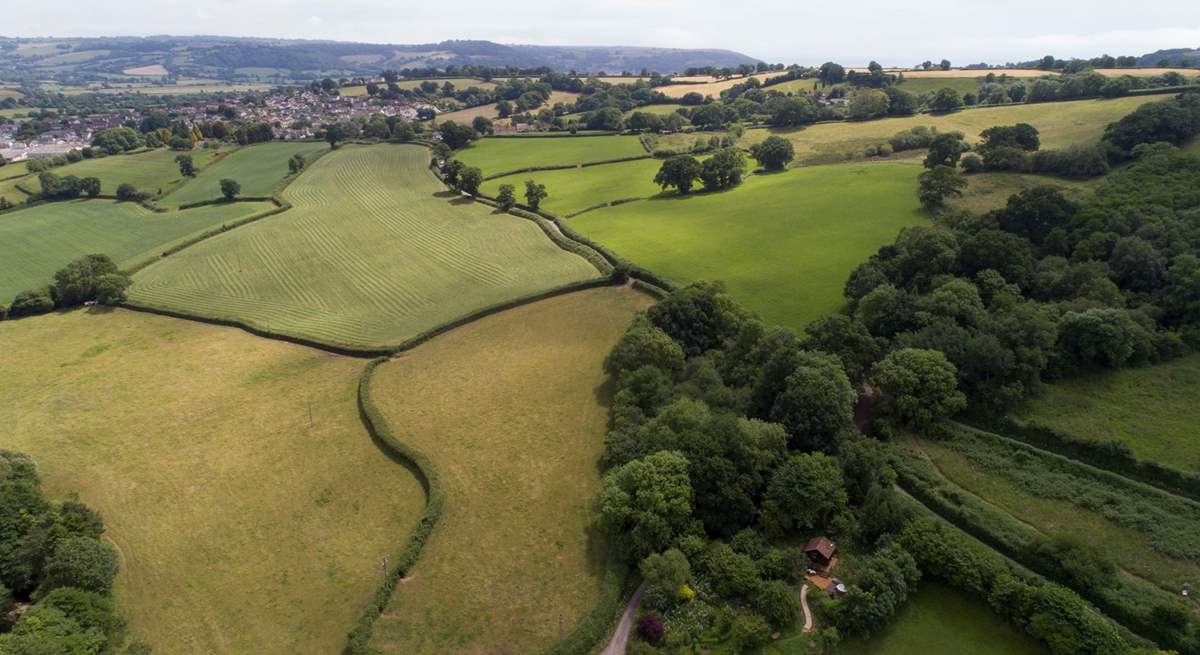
{"x": 507, "y": 197}
{"x": 917, "y": 387}
{"x": 680, "y": 172}
{"x": 945, "y": 149}
{"x": 534, "y": 194}
{"x": 187, "y": 167}
{"x": 91, "y": 277}
{"x": 482, "y": 125}
{"x": 296, "y": 163}
{"x": 774, "y": 153}
{"x": 456, "y": 136}
{"x": 946, "y": 100}
{"x": 469, "y": 180}
{"x": 90, "y": 186}
{"x": 230, "y": 189}
{"x": 937, "y": 184}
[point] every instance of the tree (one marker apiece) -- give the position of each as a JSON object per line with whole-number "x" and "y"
{"x": 1100, "y": 337}
{"x": 469, "y": 180}
{"x": 296, "y": 163}
{"x": 749, "y": 633}
{"x": 83, "y": 563}
{"x": 483, "y": 125}
{"x": 666, "y": 574}
{"x": 31, "y": 303}
{"x": 790, "y": 111}
{"x": 643, "y": 344}
{"x": 945, "y": 149}
{"x": 935, "y": 185}
{"x": 230, "y": 189}
{"x": 776, "y": 601}
{"x": 945, "y": 65}
{"x": 81, "y": 281}
{"x": 774, "y": 153}
{"x": 806, "y": 492}
{"x": 535, "y": 194}
{"x": 457, "y": 136}
{"x": 129, "y": 193}
{"x": 945, "y": 100}
{"x": 723, "y": 170}
{"x": 917, "y": 387}
{"x": 680, "y": 171}
{"x": 507, "y": 197}
{"x": 868, "y": 103}
{"x": 649, "y": 501}
{"x": 1035, "y": 213}
{"x": 187, "y": 167}
{"x": 831, "y": 73}
{"x": 90, "y": 186}
{"x": 816, "y": 401}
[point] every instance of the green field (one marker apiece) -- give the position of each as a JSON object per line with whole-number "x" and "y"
{"x": 496, "y": 156}
{"x": 154, "y": 171}
{"x": 513, "y": 559}
{"x": 941, "y": 619}
{"x": 920, "y": 85}
{"x": 1060, "y": 123}
{"x": 784, "y": 244}
{"x": 36, "y": 242}
{"x": 242, "y": 527}
{"x": 367, "y": 257}
{"x": 259, "y": 169}
{"x": 988, "y": 191}
{"x": 575, "y": 189}
{"x": 661, "y": 110}
{"x": 1152, "y": 410}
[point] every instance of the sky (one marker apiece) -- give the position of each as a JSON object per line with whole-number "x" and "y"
{"x": 787, "y": 31}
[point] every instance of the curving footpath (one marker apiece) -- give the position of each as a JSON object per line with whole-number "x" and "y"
{"x": 808, "y": 620}
{"x": 620, "y": 638}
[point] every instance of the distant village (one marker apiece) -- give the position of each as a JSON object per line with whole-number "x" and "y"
{"x": 293, "y": 114}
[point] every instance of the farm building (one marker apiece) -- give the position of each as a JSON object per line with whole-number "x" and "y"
{"x": 820, "y": 550}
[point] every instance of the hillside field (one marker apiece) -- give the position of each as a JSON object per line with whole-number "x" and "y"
{"x": 367, "y": 257}
{"x": 36, "y": 242}
{"x": 1153, "y": 410}
{"x": 153, "y": 171}
{"x": 784, "y": 243}
{"x": 575, "y": 189}
{"x": 258, "y": 168}
{"x": 991, "y": 190}
{"x": 1060, "y": 123}
{"x": 241, "y": 527}
{"x": 512, "y": 410}
{"x": 495, "y": 156}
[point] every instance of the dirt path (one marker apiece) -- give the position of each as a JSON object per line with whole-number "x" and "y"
{"x": 620, "y": 638}
{"x": 808, "y": 620}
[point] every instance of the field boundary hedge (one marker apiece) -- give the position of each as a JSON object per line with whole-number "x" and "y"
{"x": 563, "y": 167}
{"x": 280, "y": 207}
{"x": 1112, "y": 456}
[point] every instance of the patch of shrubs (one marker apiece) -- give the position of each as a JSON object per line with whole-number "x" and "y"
{"x": 91, "y": 278}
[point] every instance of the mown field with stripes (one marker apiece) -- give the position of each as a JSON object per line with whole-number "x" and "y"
{"x": 495, "y": 156}
{"x": 368, "y": 256}
{"x": 259, "y": 169}
{"x": 36, "y": 242}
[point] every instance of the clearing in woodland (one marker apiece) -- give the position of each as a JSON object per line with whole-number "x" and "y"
{"x": 249, "y": 505}
{"x": 512, "y": 410}
{"x": 783, "y": 243}
{"x": 259, "y": 169}
{"x": 367, "y": 257}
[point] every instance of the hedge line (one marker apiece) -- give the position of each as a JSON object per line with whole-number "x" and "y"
{"x": 610, "y": 203}
{"x": 562, "y": 167}
{"x": 225, "y": 227}
{"x": 359, "y": 637}
{"x": 618, "y": 262}
{"x": 1110, "y": 455}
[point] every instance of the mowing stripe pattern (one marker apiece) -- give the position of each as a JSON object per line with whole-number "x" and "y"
{"x": 368, "y": 257}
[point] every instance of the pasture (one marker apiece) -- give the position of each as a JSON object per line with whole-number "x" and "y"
{"x": 494, "y": 156}
{"x": 36, "y": 242}
{"x": 942, "y": 619}
{"x": 783, "y": 243}
{"x": 920, "y": 85}
{"x": 660, "y": 110}
{"x": 367, "y": 257}
{"x": 1061, "y": 124}
{"x": 259, "y": 169}
{"x": 514, "y": 558}
{"x": 988, "y": 191}
{"x": 154, "y": 171}
{"x": 1153, "y": 410}
{"x": 574, "y": 189}
{"x": 242, "y": 527}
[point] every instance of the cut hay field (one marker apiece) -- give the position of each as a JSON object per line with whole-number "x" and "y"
{"x": 513, "y": 559}
{"x": 36, "y": 242}
{"x": 574, "y": 189}
{"x": 489, "y": 111}
{"x": 784, "y": 244}
{"x": 153, "y": 70}
{"x": 988, "y": 191}
{"x": 1153, "y": 410}
{"x": 367, "y": 257}
{"x": 153, "y": 171}
{"x": 241, "y": 528}
{"x": 258, "y": 168}
{"x": 920, "y": 85}
{"x": 962, "y": 72}
{"x": 1060, "y": 123}
{"x": 709, "y": 86}
{"x": 1147, "y": 72}
{"x": 501, "y": 155}
{"x": 941, "y": 619}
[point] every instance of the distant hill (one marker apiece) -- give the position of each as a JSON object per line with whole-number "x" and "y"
{"x": 1174, "y": 55}
{"x": 72, "y": 60}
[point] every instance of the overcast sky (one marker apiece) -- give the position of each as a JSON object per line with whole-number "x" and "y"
{"x": 791, "y": 31}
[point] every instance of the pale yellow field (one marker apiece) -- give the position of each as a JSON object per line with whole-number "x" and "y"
{"x": 710, "y": 86}
{"x": 962, "y": 72}
{"x": 489, "y": 111}
{"x": 1147, "y": 72}
{"x": 154, "y": 70}
{"x": 242, "y": 527}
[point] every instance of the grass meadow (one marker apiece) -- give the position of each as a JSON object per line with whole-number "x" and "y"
{"x": 36, "y": 242}
{"x": 988, "y": 191}
{"x": 242, "y": 527}
{"x": 367, "y": 257}
{"x": 784, "y": 243}
{"x": 495, "y": 156}
{"x": 1060, "y": 123}
{"x": 153, "y": 171}
{"x": 1153, "y": 410}
{"x": 920, "y": 85}
{"x": 259, "y": 169}
{"x": 514, "y": 558}
{"x": 575, "y": 189}
{"x": 939, "y": 619}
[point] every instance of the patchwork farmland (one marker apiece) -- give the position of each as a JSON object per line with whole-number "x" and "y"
{"x": 259, "y": 169}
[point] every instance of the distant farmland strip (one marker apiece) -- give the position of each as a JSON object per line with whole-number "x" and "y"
{"x": 500, "y": 155}
{"x": 367, "y": 257}
{"x": 37, "y": 241}
{"x": 259, "y": 169}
